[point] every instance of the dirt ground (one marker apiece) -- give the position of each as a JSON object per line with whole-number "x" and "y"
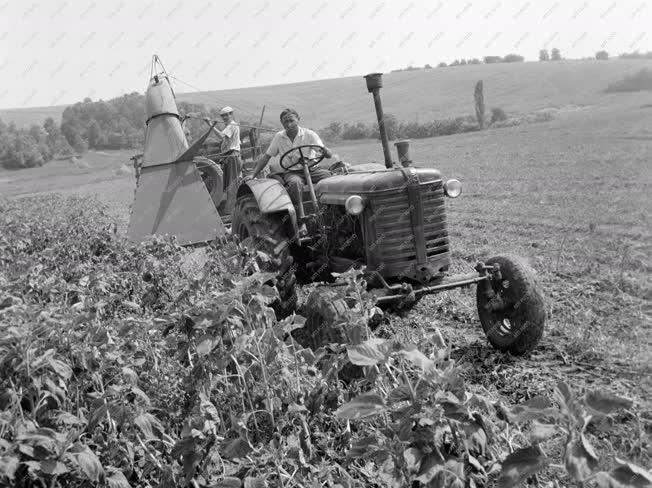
{"x": 571, "y": 196}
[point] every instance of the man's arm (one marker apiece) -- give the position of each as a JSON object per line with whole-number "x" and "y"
{"x": 317, "y": 141}
{"x": 218, "y": 132}
{"x": 260, "y": 164}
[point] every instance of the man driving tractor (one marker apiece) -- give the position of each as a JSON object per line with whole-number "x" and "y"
{"x": 292, "y": 175}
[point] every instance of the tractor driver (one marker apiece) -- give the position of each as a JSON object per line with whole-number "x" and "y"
{"x": 283, "y": 141}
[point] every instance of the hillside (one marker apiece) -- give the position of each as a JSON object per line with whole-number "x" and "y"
{"x": 515, "y": 87}
{"x": 24, "y": 117}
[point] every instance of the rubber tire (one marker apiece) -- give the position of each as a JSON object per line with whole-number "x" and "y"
{"x": 524, "y": 310}
{"x": 213, "y": 178}
{"x": 250, "y": 225}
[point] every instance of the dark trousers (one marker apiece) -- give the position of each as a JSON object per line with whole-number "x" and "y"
{"x": 295, "y": 182}
{"x": 232, "y": 168}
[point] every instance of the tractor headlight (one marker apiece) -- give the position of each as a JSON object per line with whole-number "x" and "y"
{"x": 453, "y": 188}
{"x": 354, "y": 205}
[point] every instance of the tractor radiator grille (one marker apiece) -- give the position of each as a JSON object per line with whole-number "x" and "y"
{"x": 410, "y": 230}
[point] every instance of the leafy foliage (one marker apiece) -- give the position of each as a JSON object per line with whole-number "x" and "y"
{"x": 26, "y": 148}
{"x": 121, "y": 365}
{"x": 114, "y": 124}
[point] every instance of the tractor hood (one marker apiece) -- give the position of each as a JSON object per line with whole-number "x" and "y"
{"x": 366, "y": 182}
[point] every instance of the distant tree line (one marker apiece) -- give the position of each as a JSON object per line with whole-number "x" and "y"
{"x": 544, "y": 55}
{"x": 636, "y": 55}
{"x": 114, "y": 124}
{"x": 33, "y": 146}
{"x": 337, "y": 131}
{"x": 460, "y": 62}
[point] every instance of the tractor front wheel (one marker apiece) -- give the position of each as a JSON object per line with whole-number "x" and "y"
{"x": 264, "y": 232}
{"x": 512, "y": 314}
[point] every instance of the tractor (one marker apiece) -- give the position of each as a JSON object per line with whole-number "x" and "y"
{"x": 389, "y": 221}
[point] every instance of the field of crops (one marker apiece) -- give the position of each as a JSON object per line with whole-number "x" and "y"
{"x": 136, "y": 366}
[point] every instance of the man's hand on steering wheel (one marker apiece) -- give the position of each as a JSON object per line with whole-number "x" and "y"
{"x": 304, "y": 160}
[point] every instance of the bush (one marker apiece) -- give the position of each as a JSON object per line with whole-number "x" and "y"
{"x": 543, "y": 55}
{"x": 391, "y": 127}
{"x": 493, "y": 59}
{"x": 497, "y": 115}
{"x": 641, "y": 80}
{"x": 602, "y": 55}
{"x": 555, "y": 54}
{"x": 356, "y": 131}
{"x": 513, "y": 58}
{"x": 333, "y": 132}
{"x": 442, "y": 65}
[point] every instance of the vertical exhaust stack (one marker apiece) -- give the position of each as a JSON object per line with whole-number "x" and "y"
{"x": 374, "y": 84}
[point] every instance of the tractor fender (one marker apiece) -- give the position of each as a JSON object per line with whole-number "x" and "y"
{"x": 271, "y": 196}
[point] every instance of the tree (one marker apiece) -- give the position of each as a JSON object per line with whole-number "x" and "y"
{"x": 442, "y": 65}
{"x": 555, "y": 54}
{"x": 463, "y": 62}
{"x": 427, "y": 66}
{"x": 602, "y": 55}
{"x": 543, "y": 55}
{"x": 479, "y": 104}
{"x": 474, "y": 61}
{"x": 79, "y": 144}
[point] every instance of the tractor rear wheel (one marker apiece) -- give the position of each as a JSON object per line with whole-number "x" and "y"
{"x": 213, "y": 177}
{"x": 514, "y": 318}
{"x": 264, "y": 232}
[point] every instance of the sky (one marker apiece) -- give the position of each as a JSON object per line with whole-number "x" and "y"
{"x": 62, "y": 51}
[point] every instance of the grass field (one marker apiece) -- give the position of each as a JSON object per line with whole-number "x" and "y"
{"x": 410, "y": 95}
{"x": 571, "y": 196}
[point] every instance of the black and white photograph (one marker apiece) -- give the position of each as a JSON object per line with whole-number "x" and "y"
{"x": 339, "y": 243}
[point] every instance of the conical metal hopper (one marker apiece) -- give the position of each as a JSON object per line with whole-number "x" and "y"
{"x": 171, "y": 198}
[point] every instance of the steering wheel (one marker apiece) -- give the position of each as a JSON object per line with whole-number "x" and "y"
{"x": 311, "y": 162}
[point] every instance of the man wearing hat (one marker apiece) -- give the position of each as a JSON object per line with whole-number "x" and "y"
{"x": 283, "y": 141}
{"x": 230, "y": 152}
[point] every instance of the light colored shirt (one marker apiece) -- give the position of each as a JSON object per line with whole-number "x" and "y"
{"x": 231, "y": 139}
{"x": 281, "y": 144}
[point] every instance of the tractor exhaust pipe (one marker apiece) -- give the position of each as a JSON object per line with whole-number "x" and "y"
{"x": 374, "y": 84}
{"x": 403, "y": 150}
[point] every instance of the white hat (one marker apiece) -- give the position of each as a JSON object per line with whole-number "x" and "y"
{"x": 226, "y": 110}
